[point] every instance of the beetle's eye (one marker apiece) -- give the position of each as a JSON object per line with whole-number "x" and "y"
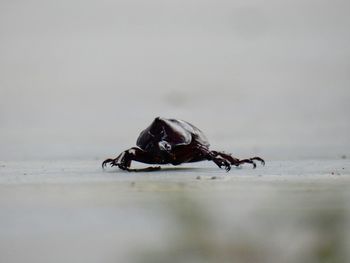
{"x": 168, "y": 147}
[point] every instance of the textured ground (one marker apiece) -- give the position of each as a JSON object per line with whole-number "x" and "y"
{"x": 72, "y": 211}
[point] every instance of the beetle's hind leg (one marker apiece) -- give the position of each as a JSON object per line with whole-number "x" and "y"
{"x": 123, "y": 161}
{"x": 237, "y": 162}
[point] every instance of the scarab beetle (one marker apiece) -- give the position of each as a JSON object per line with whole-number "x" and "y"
{"x": 171, "y": 141}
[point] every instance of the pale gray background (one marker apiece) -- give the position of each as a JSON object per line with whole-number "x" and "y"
{"x": 80, "y": 79}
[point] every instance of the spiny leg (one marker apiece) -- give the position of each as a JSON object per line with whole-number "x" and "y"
{"x": 218, "y": 160}
{"x": 237, "y": 162}
{"x": 247, "y": 161}
{"x": 115, "y": 161}
{"x": 123, "y": 161}
{"x": 222, "y": 162}
{"x": 258, "y": 159}
{"x": 251, "y": 160}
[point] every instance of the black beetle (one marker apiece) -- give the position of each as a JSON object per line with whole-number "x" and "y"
{"x": 171, "y": 141}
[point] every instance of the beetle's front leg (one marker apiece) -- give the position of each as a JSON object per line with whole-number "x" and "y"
{"x": 120, "y": 161}
{"x": 205, "y": 153}
{"x": 123, "y": 161}
{"x": 237, "y": 162}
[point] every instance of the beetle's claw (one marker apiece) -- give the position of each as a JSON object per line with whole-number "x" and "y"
{"x": 222, "y": 163}
{"x": 259, "y": 159}
{"x": 254, "y": 165}
{"x": 105, "y": 162}
{"x": 112, "y": 163}
{"x": 115, "y": 162}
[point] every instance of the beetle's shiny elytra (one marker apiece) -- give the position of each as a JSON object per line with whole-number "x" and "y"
{"x": 171, "y": 141}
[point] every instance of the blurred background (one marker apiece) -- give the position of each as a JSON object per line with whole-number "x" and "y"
{"x": 81, "y": 79}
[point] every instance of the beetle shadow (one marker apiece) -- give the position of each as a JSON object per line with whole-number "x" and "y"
{"x": 163, "y": 169}
{"x": 174, "y": 169}
{"x": 157, "y": 169}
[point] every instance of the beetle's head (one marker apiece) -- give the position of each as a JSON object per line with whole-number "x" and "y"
{"x": 164, "y": 146}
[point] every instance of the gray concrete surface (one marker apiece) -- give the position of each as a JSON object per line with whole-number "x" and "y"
{"x": 72, "y": 211}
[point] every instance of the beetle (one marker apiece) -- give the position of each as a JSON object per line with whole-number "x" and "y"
{"x": 172, "y": 141}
